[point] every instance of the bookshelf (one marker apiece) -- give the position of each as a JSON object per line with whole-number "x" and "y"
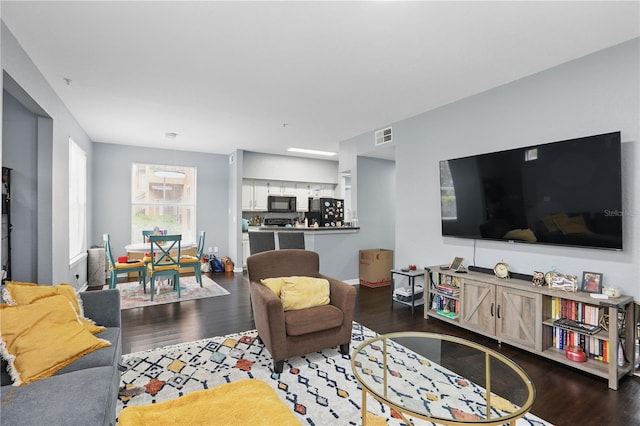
{"x": 515, "y": 312}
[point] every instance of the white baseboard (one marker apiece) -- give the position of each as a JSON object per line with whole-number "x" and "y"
{"x": 353, "y": 281}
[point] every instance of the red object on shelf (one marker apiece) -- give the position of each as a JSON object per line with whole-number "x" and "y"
{"x": 123, "y": 259}
{"x": 575, "y": 353}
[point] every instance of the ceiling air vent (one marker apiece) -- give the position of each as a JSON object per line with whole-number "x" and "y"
{"x": 383, "y": 136}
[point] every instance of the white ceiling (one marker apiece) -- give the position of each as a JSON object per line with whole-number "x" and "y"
{"x": 230, "y": 75}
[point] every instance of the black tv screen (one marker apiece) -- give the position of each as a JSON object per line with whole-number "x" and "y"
{"x": 566, "y": 193}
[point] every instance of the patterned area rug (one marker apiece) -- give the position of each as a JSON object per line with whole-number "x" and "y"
{"x": 132, "y": 296}
{"x": 319, "y": 388}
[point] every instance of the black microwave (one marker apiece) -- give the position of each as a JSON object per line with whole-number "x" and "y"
{"x": 278, "y": 204}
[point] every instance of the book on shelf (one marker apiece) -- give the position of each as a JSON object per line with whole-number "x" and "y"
{"x": 449, "y": 314}
{"x": 454, "y": 291}
{"x": 577, "y": 311}
{"x": 441, "y": 303}
{"x": 597, "y": 349}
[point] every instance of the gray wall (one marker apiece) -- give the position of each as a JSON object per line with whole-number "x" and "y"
{"x": 20, "y": 154}
{"x": 53, "y": 135}
{"x": 591, "y": 95}
{"x": 296, "y": 169}
{"x": 112, "y": 192}
{"x": 376, "y": 198}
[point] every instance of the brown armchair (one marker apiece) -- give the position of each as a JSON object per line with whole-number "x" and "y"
{"x": 294, "y": 333}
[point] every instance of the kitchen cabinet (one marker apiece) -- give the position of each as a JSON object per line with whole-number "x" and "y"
{"x": 281, "y": 188}
{"x": 327, "y": 190}
{"x": 256, "y": 191}
{"x": 302, "y": 196}
{"x": 254, "y": 195}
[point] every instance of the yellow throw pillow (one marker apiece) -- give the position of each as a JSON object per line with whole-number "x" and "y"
{"x": 41, "y": 338}
{"x": 304, "y": 292}
{"x": 20, "y": 293}
{"x": 275, "y": 284}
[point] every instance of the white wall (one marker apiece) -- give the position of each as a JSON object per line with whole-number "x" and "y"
{"x": 595, "y": 94}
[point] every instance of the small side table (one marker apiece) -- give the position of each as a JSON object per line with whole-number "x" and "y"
{"x": 412, "y": 277}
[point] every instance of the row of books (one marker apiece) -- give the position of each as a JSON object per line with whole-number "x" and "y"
{"x": 441, "y": 303}
{"x": 447, "y": 280}
{"x": 451, "y": 291}
{"x": 595, "y": 348}
{"x": 578, "y": 311}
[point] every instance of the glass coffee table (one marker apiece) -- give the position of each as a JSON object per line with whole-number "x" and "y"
{"x": 440, "y": 378}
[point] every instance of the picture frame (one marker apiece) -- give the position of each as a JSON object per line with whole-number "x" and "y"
{"x": 457, "y": 263}
{"x": 591, "y": 282}
{"x": 564, "y": 282}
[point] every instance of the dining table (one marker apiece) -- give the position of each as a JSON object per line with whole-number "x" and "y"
{"x": 137, "y": 251}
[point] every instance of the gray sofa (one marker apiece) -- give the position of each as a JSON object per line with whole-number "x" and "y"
{"x": 82, "y": 393}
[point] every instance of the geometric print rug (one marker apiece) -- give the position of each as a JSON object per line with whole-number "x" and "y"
{"x": 319, "y": 388}
{"x": 132, "y": 293}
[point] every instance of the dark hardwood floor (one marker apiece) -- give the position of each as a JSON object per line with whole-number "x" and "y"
{"x": 565, "y": 396}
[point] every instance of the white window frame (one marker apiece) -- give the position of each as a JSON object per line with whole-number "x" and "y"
{"x": 138, "y": 185}
{"x": 77, "y": 203}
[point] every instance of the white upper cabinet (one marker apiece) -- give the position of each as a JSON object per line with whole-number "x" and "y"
{"x": 255, "y": 193}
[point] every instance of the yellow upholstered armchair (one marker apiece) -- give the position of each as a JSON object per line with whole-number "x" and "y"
{"x": 285, "y": 325}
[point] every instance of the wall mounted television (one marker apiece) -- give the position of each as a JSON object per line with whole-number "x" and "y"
{"x": 566, "y": 193}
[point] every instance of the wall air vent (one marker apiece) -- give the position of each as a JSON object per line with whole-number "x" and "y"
{"x": 383, "y": 136}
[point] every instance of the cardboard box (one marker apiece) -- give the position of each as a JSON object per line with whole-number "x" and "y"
{"x": 375, "y": 267}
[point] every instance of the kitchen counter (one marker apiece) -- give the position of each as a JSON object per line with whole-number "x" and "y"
{"x": 309, "y": 230}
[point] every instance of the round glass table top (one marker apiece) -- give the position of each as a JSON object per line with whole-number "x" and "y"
{"x": 444, "y": 379}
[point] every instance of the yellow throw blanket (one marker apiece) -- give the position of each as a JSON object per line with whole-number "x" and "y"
{"x": 246, "y": 402}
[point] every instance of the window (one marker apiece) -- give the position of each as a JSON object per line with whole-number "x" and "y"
{"x": 164, "y": 197}
{"x": 447, "y": 193}
{"x": 77, "y": 202}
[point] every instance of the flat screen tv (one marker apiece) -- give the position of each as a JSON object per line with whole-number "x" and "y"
{"x": 566, "y": 193}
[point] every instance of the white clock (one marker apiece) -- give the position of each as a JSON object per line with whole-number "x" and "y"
{"x": 502, "y": 270}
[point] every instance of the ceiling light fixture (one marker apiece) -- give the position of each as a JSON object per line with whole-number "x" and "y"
{"x": 312, "y": 151}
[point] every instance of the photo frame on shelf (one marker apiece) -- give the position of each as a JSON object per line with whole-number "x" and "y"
{"x": 456, "y": 264}
{"x": 563, "y": 282}
{"x": 591, "y": 282}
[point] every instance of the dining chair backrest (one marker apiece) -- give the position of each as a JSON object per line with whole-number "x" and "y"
{"x": 146, "y": 234}
{"x": 165, "y": 250}
{"x": 200, "y": 248}
{"x": 260, "y": 241}
{"x": 291, "y": 240}
{"x": 107, "y": 250}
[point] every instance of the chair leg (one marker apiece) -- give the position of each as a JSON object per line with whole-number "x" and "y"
{"x": 176, "y": 282}
{"x": 112, "y": 281}
{"x": 153, "y": 280}
{"x": 278, "y": 366}
{"x": 344, "y": 349}
{"x": 196, "y": 268}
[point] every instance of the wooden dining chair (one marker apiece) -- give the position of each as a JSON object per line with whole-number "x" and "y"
{"x": 118, "y": 268}
{"x": 146, "y": 234}
{"x": 165, "y": 260}
{"x": 188, "y": 261}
